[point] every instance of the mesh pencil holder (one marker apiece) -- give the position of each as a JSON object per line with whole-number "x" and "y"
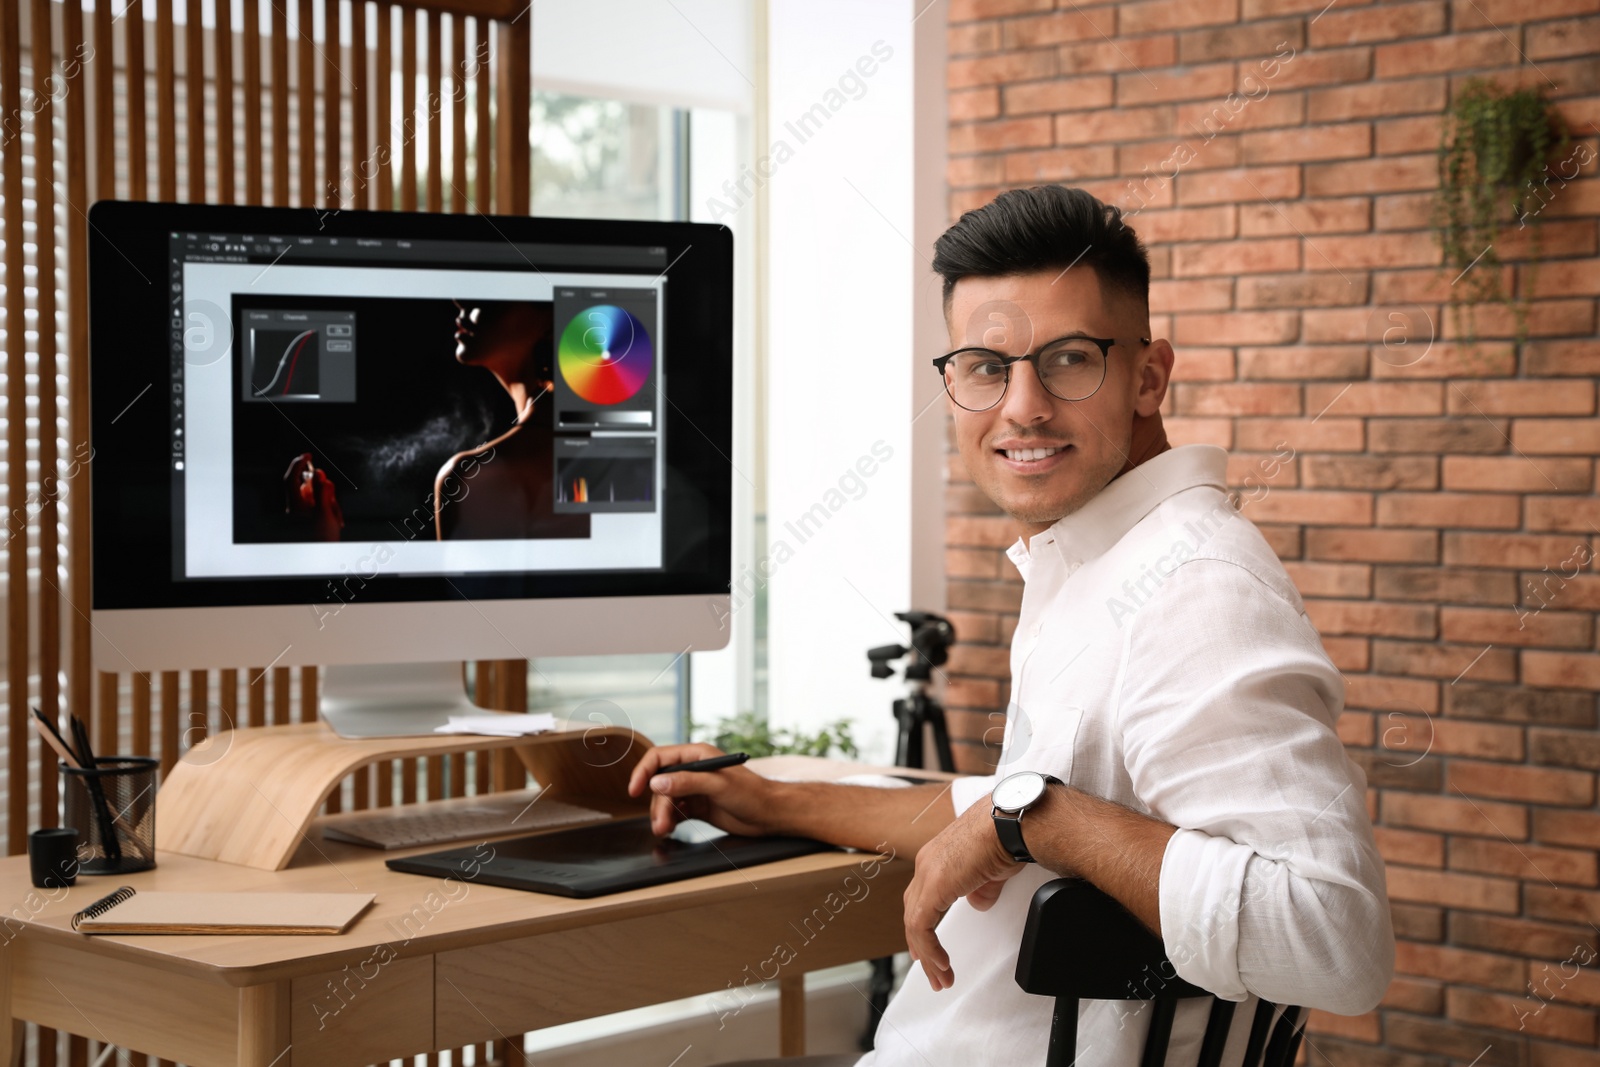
{"x": 113, "y": 807}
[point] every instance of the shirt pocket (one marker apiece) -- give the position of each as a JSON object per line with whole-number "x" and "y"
{"x": 1040, "y": 736}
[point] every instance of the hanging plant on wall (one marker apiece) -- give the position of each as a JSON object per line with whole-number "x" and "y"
{"x": 1494, "y": 180}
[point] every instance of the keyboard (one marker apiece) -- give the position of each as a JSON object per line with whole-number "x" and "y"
{"x": 439, "y": 822}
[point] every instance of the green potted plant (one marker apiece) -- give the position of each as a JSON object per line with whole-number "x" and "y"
{"x": 748, "y": 732}
{"x": 1493, "y": 163}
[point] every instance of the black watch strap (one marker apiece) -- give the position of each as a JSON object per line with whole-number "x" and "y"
{"x": 1008, "y": 827}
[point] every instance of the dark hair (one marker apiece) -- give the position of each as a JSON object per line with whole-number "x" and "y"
{"x": 1047, "y": 227}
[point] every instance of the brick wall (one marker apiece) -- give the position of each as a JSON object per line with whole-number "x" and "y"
{"x": 1437, "y": 507}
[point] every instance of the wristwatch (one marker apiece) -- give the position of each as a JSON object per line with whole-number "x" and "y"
{"x": 1015, "y": 794}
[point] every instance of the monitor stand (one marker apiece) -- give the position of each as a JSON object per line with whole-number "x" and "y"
{"x": 393, "y": 699}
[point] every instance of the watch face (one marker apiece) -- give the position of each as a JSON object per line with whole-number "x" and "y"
{"x": 1018, "y": 791}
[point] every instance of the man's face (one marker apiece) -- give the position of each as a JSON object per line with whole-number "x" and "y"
{"x": 1015, "y": 315}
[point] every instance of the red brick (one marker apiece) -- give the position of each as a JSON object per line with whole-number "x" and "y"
{"x": 1351, "y": 654}
{"x": 1478, "y": 14}
{"x": 1249, "y": 41}
{"x": 1311, "y": 508}
{"x": 1004, "y": 135}
{"x": 965, "y": 200}
{"x": 1573, "y": 37}
{"x": 1400, "y": 136}
{"x": 1330, "y": 579}
{"x": 1533, "y": 785}
{"x": 1188, "y": 224}
{"x": 1563, "y": 513}
{"x": 1168, "y": 156}
{"x": 1455, "y": 737}
{"x": 1187, "y": 431}
{"x": 1308, "y": 69}
{"x": 1391, "y": 694}
{"x": 1403, "y": 211}
{"x": 1525, "y": 1014}
{"x": 1373, "y": 546}
{"x": 1445, "y": 585}
{"x": 1201, "y": 294}
{"x": 1469, "y": 510}
{"x": 974, "y": 628}
{"x": 1560, "y": 279}
{"x": 1325, "y": 435}
{"x": 1236, "y": 113}
{"x": 1375, "y": 398}
{"x": 1377, "y": 24}
{"x": 1581, "y": 828}
{"x": 1460, "y": 965}
{"x": 1543, "y": 941}
{"x": 1521, "y": 704}
{"x": 1203, "y": 365}
{"x": 1414, "y": 995}
{"x": 1449, "y": 662}
{"x": 1419, "y": 96}
{"x": 1302, "y": 290}
{"x": 1114, "y": 125}
{"x": 972, "y": 38}
{"x": 1000, "y": 69}
{"x": 1135, "y": 54}
{"x": 974, "y": 170}
{"x": 1080, "y": 24}
{"x": 1430, "y": 286}
{"x": 1062, "y": 94}
{"x": 1351, "y": 214}
{"x": 1370, "y": 472}
{"x": 1059, "y": 164}
{"x": 1352, "y": 1027}
{"x": 967, "y": 105}
{"x": 1561, "y": 669}
{"x": 1556, "y": 629}
{"x": 1556, "y": 436}
{"x": 1443, "y": 360}
{"x": 1242, "y": 184}
{"x": 1351, "y": 140}
{"x": 1558, "y": 239}
{"x": 1237, "y": 399}
{"x": 1454, "y": 890}
{"x": 1265, "y": 256}
{"x": 1565, "y": 866}
{"x": 1409, "y": 846}
{"x": 1386, "y": 174}
{"x": 1579, "y": 593}
{"x": 967, "y": 10}
{"x": 1299, "y": 362}
{"x": 1455, "y": 815}
{"x": 997, "y": 532}
{"x": 1459, "y": 51}
{"x": 1157, "y": 87}
{"x": 1506, "y": 550}
{"x": 1369, "y": 617}
{"x": 1517, "y": 474}
{"x": 1237, "y": 327}
{"x": 1551, "y": 358}
{"x": 1438, "y": 435}
{"x": 1563, "y": 905}
{"x": 1283, "y": 540}
{"x": 1546, "y": 318}
{"x": 1155, "y": 16}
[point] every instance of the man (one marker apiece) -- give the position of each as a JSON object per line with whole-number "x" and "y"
{"x": 1163, "y": 670}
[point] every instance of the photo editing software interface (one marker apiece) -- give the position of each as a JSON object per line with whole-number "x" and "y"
{"x": 446, "y": 407}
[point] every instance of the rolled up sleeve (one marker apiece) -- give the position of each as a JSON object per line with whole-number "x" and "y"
{"x": 1272, "y": 884}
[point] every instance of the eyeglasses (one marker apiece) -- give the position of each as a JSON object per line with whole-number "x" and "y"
{"x": 1070, "y": 368}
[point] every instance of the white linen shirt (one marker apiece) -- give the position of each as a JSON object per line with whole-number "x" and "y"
{"x": 1163, "y": 660}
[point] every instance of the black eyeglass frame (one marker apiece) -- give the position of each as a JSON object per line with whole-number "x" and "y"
{"x": 1104, "y": 344}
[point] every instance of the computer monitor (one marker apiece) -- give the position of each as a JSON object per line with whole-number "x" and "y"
{"x": 404, "y": 440}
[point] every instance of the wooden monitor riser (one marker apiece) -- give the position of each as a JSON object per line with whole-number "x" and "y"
{"x": 248, "y": 796}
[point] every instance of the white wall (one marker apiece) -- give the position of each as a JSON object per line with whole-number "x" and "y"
{"x": 844, "y": 281}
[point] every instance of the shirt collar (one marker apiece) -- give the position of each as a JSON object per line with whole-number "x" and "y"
{"x": 1101, "y": 523}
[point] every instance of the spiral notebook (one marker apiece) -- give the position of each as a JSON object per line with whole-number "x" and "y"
{"x": 129, "y": 912}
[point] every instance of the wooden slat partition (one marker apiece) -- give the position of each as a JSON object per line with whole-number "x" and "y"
{"x": 310, "y": 156}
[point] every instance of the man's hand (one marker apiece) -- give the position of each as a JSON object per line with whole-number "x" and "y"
{"x": 964, "y": 860}
{"x": 735, "y": 799}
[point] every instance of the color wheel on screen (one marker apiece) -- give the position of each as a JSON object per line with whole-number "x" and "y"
{"x": 605, "y": 354}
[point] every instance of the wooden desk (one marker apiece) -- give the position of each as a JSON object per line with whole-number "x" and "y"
{"x": 435, "y": 963}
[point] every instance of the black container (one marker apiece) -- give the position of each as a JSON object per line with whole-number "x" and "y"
{"x": 113, "y": 807}
{"x": 53, "y": 857}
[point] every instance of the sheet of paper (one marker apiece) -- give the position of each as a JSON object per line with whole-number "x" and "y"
{"x": 499, "y": 724}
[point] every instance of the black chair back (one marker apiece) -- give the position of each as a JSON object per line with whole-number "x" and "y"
{"x": 1080, "y": 944}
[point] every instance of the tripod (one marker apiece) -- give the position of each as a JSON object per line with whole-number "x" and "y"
{"x": 931, "y": 638}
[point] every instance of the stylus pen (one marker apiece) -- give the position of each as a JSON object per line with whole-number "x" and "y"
{"x": 715, "y": 763}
